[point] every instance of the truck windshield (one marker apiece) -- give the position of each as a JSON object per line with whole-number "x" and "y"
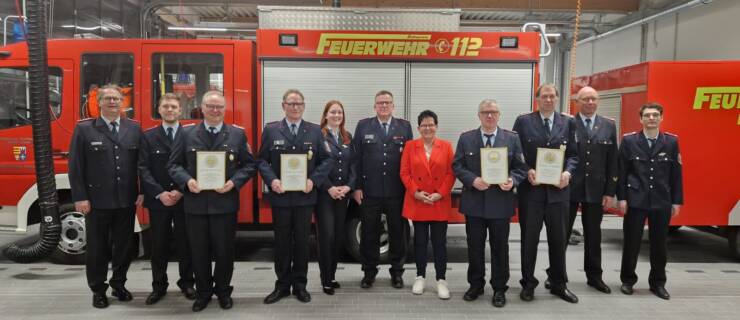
{"x": 14, "y": 104}
{"x": 189, "y": 75}
{"x": 99, "y": 69}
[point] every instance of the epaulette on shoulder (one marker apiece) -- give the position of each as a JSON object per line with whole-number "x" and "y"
{"x": 507, "y": 130}
{"x": 134, "y": 120}
{"x": 188, "y": 125}
{"x": 240, "y": 127}
{"x": 151, "y": 128}
{"x": 670, "y": 134}
{"x": 629, "y": 133}
{"x": 610, "y": 119}
{"x": 566, "y": 114}
{"x": 86, "y": 119}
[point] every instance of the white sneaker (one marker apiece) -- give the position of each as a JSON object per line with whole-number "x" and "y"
{"x": 418, "y": 287}
{"x": 442, "y": 291}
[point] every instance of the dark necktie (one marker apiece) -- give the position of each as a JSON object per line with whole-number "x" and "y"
{"x": 385, "y": 128}
{"x": 212, "y": 130}
{"x": 547, "y": 126}
{"x": 113, "y": 128}
{"x": 293, "y": 129}
{"x": 489, "y": 140}
{"x": 336, "y": 136}
{"x": 588, "y": 125}
{"x": 651, "y": 142}
{"x": 171, "y": 133}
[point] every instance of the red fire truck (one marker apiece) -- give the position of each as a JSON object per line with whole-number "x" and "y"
{"x": 448, "y": 72}
{"x": 702, "y": 106}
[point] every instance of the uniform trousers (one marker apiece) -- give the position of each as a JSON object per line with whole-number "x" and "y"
{"x": 330, "y": 219}
{"x": 168, "y": 226}
{"x": 555, "y": 218}
{"x": 212, "y": 236}
{"x": 109, "y": 239}
{"x": 371, "y": 213}
{"x": 634, "y": 224}
{"x": 591, "y": 216}
{"x": 497, "y": 230}
{"x": 292, "y": 226}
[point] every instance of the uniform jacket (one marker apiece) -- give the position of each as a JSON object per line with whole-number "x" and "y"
{"x": 596, "y": 174}
{"x": 650, "y": 179}
{"x": 434, "y": 176}
{"x": 344, "y": 172}
{"x": 493, "y": 203}
{"x": 532, "y": 135}
{"x": 155, "y": 151}
{"x": 103, "y": 167}
{"x": 182, "y": 166}
{"x": 276, "y": 140}
{"x": 379, "y": 156}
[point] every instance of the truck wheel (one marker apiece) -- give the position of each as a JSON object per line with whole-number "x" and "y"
{"x": 673, "y": 229}
{"x": 73, "y": 241}
{"x": 733, "y": 239}
{"x": 354, "y": 232}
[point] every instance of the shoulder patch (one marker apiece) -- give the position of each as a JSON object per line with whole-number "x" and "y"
{"x": 566, "y": 115}
{"x": 629, "y": 133}
{"x": 235, "y": 126}
{"x": 151, "y": 128}
{"x": 86, "y": 119}
{"x": 671, "y": 134}
{"x": 188, "y": 125}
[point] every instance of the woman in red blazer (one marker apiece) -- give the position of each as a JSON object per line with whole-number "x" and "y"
{"x": 426, "y": 171}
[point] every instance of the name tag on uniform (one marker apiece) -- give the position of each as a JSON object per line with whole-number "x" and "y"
{"x": 662, "y": 154}
{"x": 96, "y": 143}
{"x": 278, "y": 142}
{"x": 369, "y": 136}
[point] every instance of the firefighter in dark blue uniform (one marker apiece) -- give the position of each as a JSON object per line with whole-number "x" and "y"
{"x": 594, "y": 183}
{"x": 164, "y": 201}
{"x": 334, "y": 193}
{"x": 103, "y": 174}
{"x": 650, "y": 187}
{"x": 211, "y": 215}
{"x": 379, "y": 143}
{"x": 546, "y": 204}
{"x": 291, "y": 210}
{"x": 488, "y": 208}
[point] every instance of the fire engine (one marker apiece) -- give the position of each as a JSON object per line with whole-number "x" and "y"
{"x": 425, "y": 66}
{"x": 701, "y": 107}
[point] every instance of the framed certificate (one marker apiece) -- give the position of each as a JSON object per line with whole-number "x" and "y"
{"x": 294, "y": 171}
{"x": 210, "y": 169}
{"x": 549, "y": 165}
{"x": 494, "y": 165}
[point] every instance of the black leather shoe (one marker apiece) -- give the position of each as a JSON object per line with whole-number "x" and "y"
{"x": 155, "y": 296}
{"x": 302, "y": 295}
{"x": 599, "y": 285}
{"x": 527, "y": 294}
{"x": 276, "y": 295}
{"x": 225, "y": 302}
{"x": 367, "y": 281}
{"x": 499, "y": 299}
{"x": 328, "y": 290}
{"x": 99, "y": 300}
{"x": 565, "y": 294}
{"x": 660, "y": 292}
{"x": 627, "y": 289}
{"x": 397, "y": 282}
{"x": 472, "y": 294}
{"x": 122, "y": 294}
{"x": 335, "y": 284}
{"x": 189, "y": 293}
{"x": 548, "y": 285}
{"x": 200, "y": 304}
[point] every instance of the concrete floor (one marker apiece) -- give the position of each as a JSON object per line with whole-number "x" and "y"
{"x": 703, "y": 279}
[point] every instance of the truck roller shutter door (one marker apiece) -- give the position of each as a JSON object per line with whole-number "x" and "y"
{"x": 611, "y": 107}
{"x": 354, "y": 83}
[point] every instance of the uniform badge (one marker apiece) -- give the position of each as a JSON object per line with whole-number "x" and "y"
{"x": 615, "y": 179}
{"x": 278, "y": 142}
{"x": 310, "y": 154}
{"x": 231, "y": 157}
{"x": 662, "y": 154}
{"x": 400, "y": 149}
{"x": 369, "y": 136}
{"x": 96, "y": 143}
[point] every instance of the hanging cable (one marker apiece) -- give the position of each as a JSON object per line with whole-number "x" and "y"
{"x": 574, "y": 46}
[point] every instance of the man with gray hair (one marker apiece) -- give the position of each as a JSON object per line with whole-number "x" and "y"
{"x": 211, "y": 215}
{"x": 488, "y": 208}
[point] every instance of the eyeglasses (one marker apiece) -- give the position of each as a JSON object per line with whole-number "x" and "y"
{"x": 489, "y": 113}
{"x": 294, "y": 104}
{"x": 215, "y": 106}
{"x": 589, "y": 99}
{"x": 111, "y": 99}
{"x": 428, "y": 126}
{"x": 384, "y": 103}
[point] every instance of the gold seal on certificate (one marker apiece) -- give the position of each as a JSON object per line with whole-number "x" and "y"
{"x": 494, "y": 165}
{"x": 294, "y": 171}
{"x": 211, "y": 169}
{"x": 549, "y": 165}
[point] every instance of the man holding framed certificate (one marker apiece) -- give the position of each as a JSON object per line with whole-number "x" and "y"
{"x": 489, "y": 163}
{"x": 294, "y": 158}
{"x": 210, "y": 163}
{"x": 548, "y": 140}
